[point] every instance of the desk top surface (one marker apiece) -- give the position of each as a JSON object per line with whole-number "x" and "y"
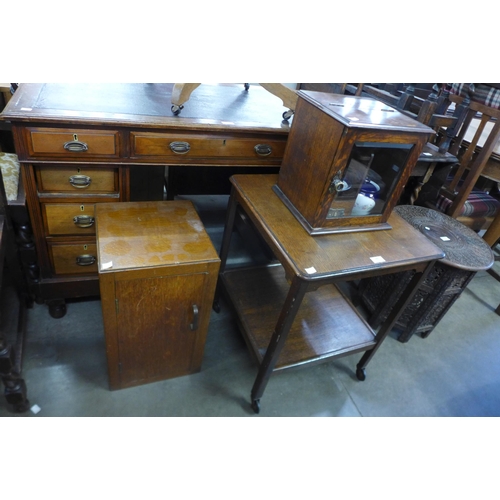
{"x": 342, "y": 254}
{"x": 211, "y": 106}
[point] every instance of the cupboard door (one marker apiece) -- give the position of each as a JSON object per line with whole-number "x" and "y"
{"x": 158, "y": 326}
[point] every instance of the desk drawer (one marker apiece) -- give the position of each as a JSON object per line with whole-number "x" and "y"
{"x": 77, "y": 180}
{"x": 74, "y": 144}
{"x": 74, "y": 258}
{"x": 70, "y": 218}
{"x": 172, "y": 146}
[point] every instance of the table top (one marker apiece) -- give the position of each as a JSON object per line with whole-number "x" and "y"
{"x": 343, "y": 255}
{"x": 211, "y": 106}
{"x": 463, "y": 248}
{"x": 135, "y": 235}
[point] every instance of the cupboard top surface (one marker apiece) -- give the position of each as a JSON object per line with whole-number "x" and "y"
{"x": 363, "y": 112}
{"x": 313, "y": 257}
{"x": 214, "y": 106}
{"x": 136, "y": 235}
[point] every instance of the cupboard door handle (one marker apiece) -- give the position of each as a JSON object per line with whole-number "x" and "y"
{"x": 80, "y": 181}
{"x": 180, "y": 147}
{"x": 337, "y": 186}
{"x": 85, "y": 260}
{"x": 75, "y": 146}
{"x": 263, "y": 149}
{"x": 83, "y": 220}
{"x": 194, "y": 324}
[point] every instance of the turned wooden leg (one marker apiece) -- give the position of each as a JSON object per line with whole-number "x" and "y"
{"x": 492, "y": 234}
{"x": 15, "y": 388}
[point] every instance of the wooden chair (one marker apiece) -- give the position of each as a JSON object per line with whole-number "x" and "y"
{"x": 459, "y": 197}
{"x": 431, "y": 107}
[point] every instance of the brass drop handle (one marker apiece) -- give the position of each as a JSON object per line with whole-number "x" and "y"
{"x": 263, "y": 149}
{"x": 180, "y": 147}
{"x": 76, "y": 146}
{"x": 83, "y": 220}
{"x": 194, "y": 324}
{"x": 80, "y": 181}
{"x": 85, "y": 260}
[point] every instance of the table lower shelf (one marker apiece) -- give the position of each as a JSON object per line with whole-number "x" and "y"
{"x": 327, "y": 325}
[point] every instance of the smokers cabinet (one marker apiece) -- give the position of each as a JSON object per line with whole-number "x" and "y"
{"x": 347, "y": 161}
{"x": 157, "y": 275}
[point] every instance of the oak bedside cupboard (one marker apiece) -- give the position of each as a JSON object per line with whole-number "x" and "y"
{"x": 346, "y": 162}
{"x": 157, "y": 275}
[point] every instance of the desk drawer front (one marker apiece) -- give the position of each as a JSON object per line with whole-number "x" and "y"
{"x": 203, "y": 146}
{"x": 74, "y": 258}
{"x": 72, "y": 143}
{"x": 70, "y": 218}
{"x": 81, "y": 180}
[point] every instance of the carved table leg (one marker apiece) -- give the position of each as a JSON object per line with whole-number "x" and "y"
{"x": 10, "y": 370}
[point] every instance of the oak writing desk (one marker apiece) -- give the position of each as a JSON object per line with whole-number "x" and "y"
{"x": 283, "y": 324}
{"x": 82, "y": 144}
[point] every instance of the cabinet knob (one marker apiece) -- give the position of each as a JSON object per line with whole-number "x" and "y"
{"x": 83, "y": 220}
{"x": 80, "y": 181}
{"x": 194, "y": 324}
{"x": 338, "y": 185}
{"x": 180, "y": 147}
{"x": 75, "y": 146}
{"x": 85, "y": 260}
{"x": 263, "y": 149}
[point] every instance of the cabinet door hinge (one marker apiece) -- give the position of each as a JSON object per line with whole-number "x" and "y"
{"x": 117, "y": 309}
{"x": 119, "y": 367}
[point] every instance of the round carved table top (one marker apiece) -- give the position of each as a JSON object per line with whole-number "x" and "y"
{"x": 463, "y": 248}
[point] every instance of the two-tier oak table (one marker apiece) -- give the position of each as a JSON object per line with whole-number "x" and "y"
{"x": 85, "y": 144}
{"x": 291, "y": 313}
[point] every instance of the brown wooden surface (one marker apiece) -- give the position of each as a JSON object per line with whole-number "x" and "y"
{"x": 50, "y": 142}
{"x": 492, "y": 234}
{"x": 59, "y": 218}
{"x": 342, "y": 256}
{"x": 321, "y": 139}
{"x": 64, "y": 256}
{"x": 128, "y": 126}
{"x": 152, "y": 145}
{"x": 290, "y": 314}
{"x": 149, "y": 234}
{"x": 57, "y": 179}
{"x": 156, "y": 264}
{"x": 326, "y": 325}
{"x": 314, "y": 141}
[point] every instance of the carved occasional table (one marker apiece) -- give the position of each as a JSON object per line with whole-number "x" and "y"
{"x": 465, "y": 254}
{"x": 291, "y": 313}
